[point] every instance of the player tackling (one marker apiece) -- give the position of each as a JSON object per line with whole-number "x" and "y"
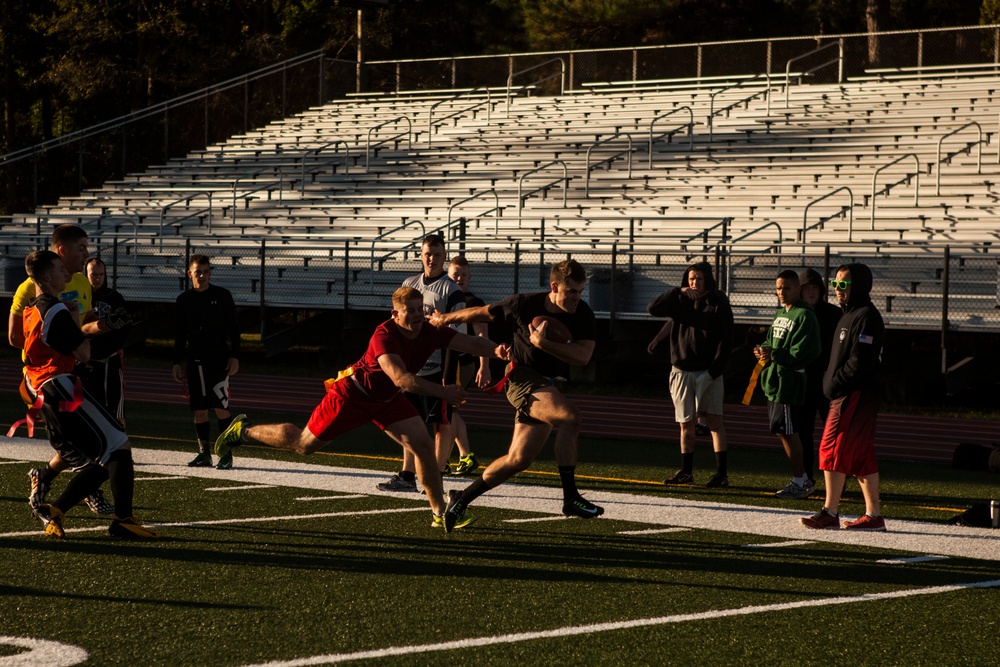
{"x": 537, "y": 359}
{"x": 372, "y": 390}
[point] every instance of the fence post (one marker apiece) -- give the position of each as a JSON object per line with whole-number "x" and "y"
{"x": 187, "y": 261}
{"x": 322, "y": 78}
{"x": 114, "y": 263}
{"x": 945, "y": 278}
{"x": 920, "y": 49}
{"x": 635, "y": 64}
{"x": 612, "y": 296}
{"x": 462, "y": 226}
{"x": 571, "y": 63}
{"x": 826, "y": 263}
{"x": 347, "y": 274}
{"x": 517, "y": 267}
{"x": 263, "y": 301}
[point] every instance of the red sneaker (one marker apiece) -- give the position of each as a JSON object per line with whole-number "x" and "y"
{"x": 822, "y": 520}
{"x": 866, "y": 522}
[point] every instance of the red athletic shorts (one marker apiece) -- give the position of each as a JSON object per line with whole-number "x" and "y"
{"x": 344, "y": 408}
{"x": 848, "y": 444}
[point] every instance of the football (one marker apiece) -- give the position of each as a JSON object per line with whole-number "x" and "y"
{"x": 554, "y": 329}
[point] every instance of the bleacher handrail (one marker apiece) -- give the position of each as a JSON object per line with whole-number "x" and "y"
{"x": 616, "y": 135}
{"x": 731, "y": 244}
{"x": 850, "y": 223}
{"x": 269, "y": 186}
{"x": 711, "y": 105}
{"x": 368, "y": 138}
{"x": 689, "y": 124}
{"x": 187, "y": 200}
{"x": 316, "y": 151}
{"x": 562, "y": 75}
{"x": 703, "y": 234}
{"x": 979, "y": 154}
{"x": 383, "y": 235}
{"x": 496, "y": 210}
{"x": 839, "y": 59}
{"x": 520, "y": 183}
{"x": 916, "y": 185}
{"x": 430, "y": 111}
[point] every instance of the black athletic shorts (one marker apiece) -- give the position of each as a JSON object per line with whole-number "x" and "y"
{"x": 104, "y": 380}
{"x": 429, "y": 407}
{"x": 208, "y": 384}
{"x": 85, "y": 435}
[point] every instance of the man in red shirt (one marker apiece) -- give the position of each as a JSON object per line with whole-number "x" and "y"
{"x": 372, "y": 390}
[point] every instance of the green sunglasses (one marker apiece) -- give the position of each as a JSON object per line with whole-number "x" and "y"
{"x": 840, "y": 284}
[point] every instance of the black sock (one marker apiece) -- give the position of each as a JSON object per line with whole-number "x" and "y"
{"x": 474, "y": 490}
{"x": 722, "y": 462}
{"x": 224, "y": 423}
{"x": 203, "y": 431}
{"x": 567, "y": 475}
{"x": 46, "y": 474}
{"x": 407, "y": 475}
{"x": 83, "y": 483}
{"x": 121, "y": 470}
{"x": 687, "y": 462}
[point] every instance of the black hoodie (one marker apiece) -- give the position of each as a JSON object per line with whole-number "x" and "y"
{"x": 857, "y": 342}
{"x": 700, "y": 330}
{"x": 828, "y": 316}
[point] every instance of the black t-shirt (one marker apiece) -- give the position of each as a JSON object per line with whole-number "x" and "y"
{"x": 471, "y": 301}
{"x": 206, "y": 321}
{"x": 519, "y": 310}
{"x": 102, "y": 346}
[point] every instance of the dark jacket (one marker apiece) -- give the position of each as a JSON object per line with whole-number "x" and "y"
{"x": 857, "y": 343}
{"x": 828, "y": 316}
{"x": 700, "y": 330}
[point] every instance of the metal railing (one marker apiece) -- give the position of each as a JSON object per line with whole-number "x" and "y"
{"x": 711, "y": 106}
{"x": 496, "y": 210}
{"x": 406, "y": 248}
{"x": 561, "y": 75}
{"x": 476, "y": 105}
{"x": 316, "y": 167}
{"x": 520, "y": 183}
{"x": 850, "y": 210}
{"x": 689, "y": 125}
{"x": 979, "y": 154}
{"x": 616, "y": 135}
{"x": 732, "y": 244}
{"x": 368, "y": 138}
{"x": 916, "y": 184}
{"x": 839, "y": 60}
{"x": 268, "y": 186}
{"x": 187, "y": 200}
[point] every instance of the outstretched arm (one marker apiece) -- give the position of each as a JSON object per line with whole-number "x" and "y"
{"x": 462, "y": 316}
{"x": 393, "y": 366}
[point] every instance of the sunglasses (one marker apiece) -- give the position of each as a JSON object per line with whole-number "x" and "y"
{"x": 840, "y": 284}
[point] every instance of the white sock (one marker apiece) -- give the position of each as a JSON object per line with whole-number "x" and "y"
{"x": 801, "y": 481}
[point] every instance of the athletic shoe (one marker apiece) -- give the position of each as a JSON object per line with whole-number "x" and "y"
{"x": 581, "y": 508}
{"x": 203, "y": 460}
{"x": 866, "y": 523}
{"x": 99, "y": 504}
{"x": 680, "y": 477}
{"x": 51, "y": 518}
{"x": 232, "y": 437}
{"x": 131, "y": 529}
{"x": 455, "y": 513}
{"x": 446, "y": 470}
{"x": 39, "y": 489}
{"x": 226, "y": 462}
{"x": 397, "y": 483}
{"x": 822, "y": 520}
{"x": 466, "y": 465}
{"x": 718, "y": 481}
{"x": 793, "y": 491}
{"x": 467, "y": 519}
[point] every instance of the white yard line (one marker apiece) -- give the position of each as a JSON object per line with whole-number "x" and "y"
{"x": 594, "y": 628}
{"x": 654, "y": 531}
{"x": 240, "y": 488}
{"x": 537, "y": 519}
{"x": 778, "y": 545}
{"x": 349, "y": 496}
{"x": 652, "y": 511}
{"x": 915, "y": 559}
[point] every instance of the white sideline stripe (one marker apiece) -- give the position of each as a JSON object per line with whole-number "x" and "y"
{"x": 778, "y": 545}
{"x": 536, "y": 519}
{"x": 220, "y": 522}
{"x": 11, "y": 463}
{"x": 655, "y": 531}
{"x": 240, "y": 488}
{"x": 158, "y": 478}
{"x": 913, "y": 559}
{"x": 349, "y": 496}
{"x": 593, "y": 628}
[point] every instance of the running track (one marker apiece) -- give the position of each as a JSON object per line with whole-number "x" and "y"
{"x": 903, "y": 437}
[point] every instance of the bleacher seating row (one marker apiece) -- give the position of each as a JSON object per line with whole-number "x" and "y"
{"x": 898, "y": 166}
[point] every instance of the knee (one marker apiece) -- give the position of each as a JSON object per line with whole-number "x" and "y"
{"x": 568, "y": 417}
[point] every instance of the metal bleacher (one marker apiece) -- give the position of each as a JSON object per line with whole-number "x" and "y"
{"x": 635, "y": 179}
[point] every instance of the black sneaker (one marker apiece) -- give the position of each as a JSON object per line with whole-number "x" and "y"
{"x": 582, "y": 508}
{"x": 718, "y": 481}
{"x": 203, "y": 460}
{"x": 454, "y": 514}
{"x": 680, "y": 477}
{"x": 397, "y": 483}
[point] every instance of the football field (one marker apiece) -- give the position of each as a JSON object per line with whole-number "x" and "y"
{"x": 288, "y": 560}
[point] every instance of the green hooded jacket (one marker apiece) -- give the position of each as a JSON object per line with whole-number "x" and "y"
{"x": 794, "y": 339}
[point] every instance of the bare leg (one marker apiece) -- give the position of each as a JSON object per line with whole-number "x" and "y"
{"x": 869, "y": 489}
{"x": 718, "y": 429}
{"x": 57, "y": 465}
{"x": 687, "y": 436}
{"x": 220, "y": 413}
{"x": 444, "y": 442}
{"x": 793, "y": 449}
{"x": 834, "y": 488}
{"x": 528, "y": 440}
{"x": 409, "y": 462}
{"x": 461, "y": 435}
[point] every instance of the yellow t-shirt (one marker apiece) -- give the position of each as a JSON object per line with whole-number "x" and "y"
{"x": 77, "y": 291}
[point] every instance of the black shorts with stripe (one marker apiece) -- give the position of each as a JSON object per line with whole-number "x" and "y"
{"x": 88, "y": 434}
{"x": 208, "y": 384}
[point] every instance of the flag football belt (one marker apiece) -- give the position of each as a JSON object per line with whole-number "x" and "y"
{"x": 753, "y": 381}
{"x": 35, "y": 406}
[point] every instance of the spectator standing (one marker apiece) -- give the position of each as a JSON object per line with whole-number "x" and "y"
{"x": 440, "y": 295}
{"x": 206, "y": 354}
{"x": 700, "y": 331}
{"x": 80, "y": 429}
{"x": 536, "y": 360}
{"x": 793, "y": 342}
{"x": 815, "y": 294}
{"x": 371, "y": 390}
{"x": 851, "y": 384}
{"x": 103, "y": 376}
